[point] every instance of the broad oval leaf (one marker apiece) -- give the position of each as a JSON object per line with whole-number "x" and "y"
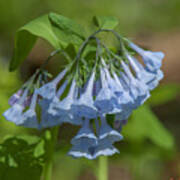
{"x": 26, "y": 37}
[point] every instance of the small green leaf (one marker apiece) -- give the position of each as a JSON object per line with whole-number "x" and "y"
{"x": 66, "y": 30}
{"x": 163, "y": 94}
{"x": 145, "y": 125}
{"x": 105, "y": 22}
{"x": 26, "y": 37}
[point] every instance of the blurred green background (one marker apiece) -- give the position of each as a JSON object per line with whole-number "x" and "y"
{"x": 150, "y": 149}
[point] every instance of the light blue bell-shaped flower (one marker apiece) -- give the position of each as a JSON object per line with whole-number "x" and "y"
{"x": 86, "y": 133}
{"x": 104, "y": 148}
{"x": 138, "y": 90}
{"x": 50, "y": 118}
{"x": 83, "y": 142}
{"x": 154, "y": 83}
{"x": 84, "y": 106}
{"x": 152, "y": 60}
{"x": 82, "y": 149}
{"x": 150, "y": 78}
{"x": 48, "y": 90}
{"x": 141, "y": 73}
{"x": 47, "y": 119}
{"x": 115, "y": 87}
{"x": 124, "y": 100}
{"x": 106, "y": 137}
{"x": 14, "y": 114}
{"x": 105, "y": 99}
{"x": 106, "y": 132}
{"x": 63, "y": 108}
{"x": 29, "y": 117}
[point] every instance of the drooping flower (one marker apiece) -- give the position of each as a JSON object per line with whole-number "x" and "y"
{"x": 106, "y": 138}
{"x": 83, "y": 142}
{"x": 138, "y": 90}
{"x": 51, "y": 119}
{"x": 106, "y": 132}
{"x": 29, "y": 118}
{"x": 151, "y": 79}
{"x": 105, "y": 98}
{"x": 152, "y": 60}
{"x": 14, "y": 113}
{"x": 48, "y": 90}
{"x": 63, "y": 108}
{"x": 84, "y": 106}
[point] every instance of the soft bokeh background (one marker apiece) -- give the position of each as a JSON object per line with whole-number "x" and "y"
{"x": 154, "y": 24}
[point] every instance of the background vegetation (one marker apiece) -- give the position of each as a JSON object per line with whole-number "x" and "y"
{"x": 150, "y": 149}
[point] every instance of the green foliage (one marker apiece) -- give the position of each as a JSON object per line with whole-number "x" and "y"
{"x": 66, "y": 30}
{"x": 105, "y": 22}
{"x": 26, "y": 37}
{"x": 56, "y": 29}
{"x": 145, "y": 125}
{"x": 21, "y": 157}
{"x": 163, "y": 94}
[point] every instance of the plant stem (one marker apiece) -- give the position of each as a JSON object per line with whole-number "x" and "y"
{"x": 51, "y": 142}
{"x": 103, "y": 168}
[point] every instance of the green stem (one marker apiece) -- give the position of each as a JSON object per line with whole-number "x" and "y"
{"x": 51, "y": 136}
{"x": 103, "y": 168}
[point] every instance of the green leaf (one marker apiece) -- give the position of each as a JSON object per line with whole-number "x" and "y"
{"x": 145, "y": 125}
{"x": 18, "y": 159}
{"x": 67, "y": 31}
{"x": 105, "y": 22}
{"x": 163, "y": 94}
{"x": 26, "y": 37}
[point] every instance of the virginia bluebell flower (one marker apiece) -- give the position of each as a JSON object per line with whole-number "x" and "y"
{"x": 84, "y": 106}
{"x": 50, "y": 119}
{"x": 63, "y": 108}
{"x": 105, "y": 98}
{"x": 48, "y": 90}
{"x": 104, "y": 148}
{"x": 152, "y": 60}
{"x": 83, "y": 142}
{"x": 138, "y": 90}
{"x": 14, "y": 113}
{"x": 29, "y": 117}
{"x": 151, "y": 79}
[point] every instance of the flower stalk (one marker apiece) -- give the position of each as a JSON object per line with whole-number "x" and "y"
{"x": 52, "y": 135}
{"x": 102, "y": 168}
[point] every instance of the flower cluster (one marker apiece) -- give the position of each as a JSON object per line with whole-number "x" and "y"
{"x": 112, "y": 87}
